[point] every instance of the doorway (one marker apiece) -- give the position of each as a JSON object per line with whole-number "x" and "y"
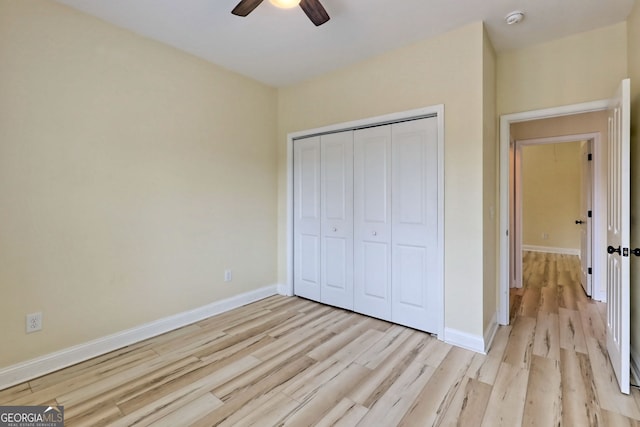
{"x": 559, "y": 198}
{"x": 507, "y": 142}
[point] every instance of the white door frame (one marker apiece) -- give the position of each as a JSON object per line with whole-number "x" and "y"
{"x": 435, "y": 110}
{"x": 505, "y": 140}
{"x": 598, "y": 207}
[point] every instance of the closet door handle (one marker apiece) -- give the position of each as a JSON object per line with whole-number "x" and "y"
{"x": 375, "y": 233}
{"x": 334, "y": 229}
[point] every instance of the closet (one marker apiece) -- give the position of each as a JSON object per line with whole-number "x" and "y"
{"x": 365, "y": 230}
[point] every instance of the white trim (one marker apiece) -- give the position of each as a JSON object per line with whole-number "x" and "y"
{"x": 438, "y": 111}
{"x": 551, "y": 250}
{"x": 51, "y": 362}
{"x": 283, "y": 290}
{"x": 465, "y": 340}
{"x": 505, "y": 134}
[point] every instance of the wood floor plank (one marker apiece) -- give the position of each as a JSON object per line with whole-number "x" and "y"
{"x": 549, "y": 299}
{"x": 606, "y": 383}
{"x": 580, "y": 406}
{"x": 507, "y": 399}
{"x": 384, "y": 374}
{"x": 468, "y": 405}
{"x": 592, "y": 324}
{"x": 102, "y": 415}
{"x": 614, "y": 419}
{"x": 520, "y": 347}
{"x": 237, "y": 395}
{"x": 547, "y": 336}
{"x": 15, "y": 392}
{"x": 543, "y": 405}
{"x": 390, "y": 341}
{"x": 167, "y": 403}
{"x": 393, "y": 405}
{"x": 189, "y": 413}
{"x": 318, "y": 403}
{"x": 571, "y": 333}
{"x": 346, "y": 414}
{"x": 139, "y": 385}
{"x": 530, "y": 302}
{"x": 220, "y": 371}
{"x": 116, "y": 372}
{"x": 434, "y": 399}
{"x": 267, "y": 410}
{"x": 485, "y": 368}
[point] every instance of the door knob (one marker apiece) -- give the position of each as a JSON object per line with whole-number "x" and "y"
{"x": 375, "y": 233}
{"x": 334, "y": 229}
{"x": 612, "y": 250}
{"x": 579, "y": 221}
{"x": 636, "y": 251}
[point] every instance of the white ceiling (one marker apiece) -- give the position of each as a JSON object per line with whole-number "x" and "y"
{"x": 282, "y": 47}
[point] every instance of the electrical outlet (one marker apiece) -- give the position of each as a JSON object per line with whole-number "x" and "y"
{"x": 228, "y": 276}
{"x": 34, "y": 322}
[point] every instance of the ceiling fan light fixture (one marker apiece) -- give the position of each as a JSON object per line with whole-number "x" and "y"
{"x": 285, "y": 4}
{"x": 514, "y": 17}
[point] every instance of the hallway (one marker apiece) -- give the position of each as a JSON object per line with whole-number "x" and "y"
{"x": 559, "y": 334}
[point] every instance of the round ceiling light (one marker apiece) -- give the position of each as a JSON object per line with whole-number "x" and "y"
{"x": 285, "y": 4}
{"x": 514, "y": 17}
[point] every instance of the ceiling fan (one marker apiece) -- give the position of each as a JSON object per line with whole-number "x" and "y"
{"x": 312, "y": 8}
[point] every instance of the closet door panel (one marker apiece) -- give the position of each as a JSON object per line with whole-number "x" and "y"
{"x": 337, "y": 219}
{"x": 307, "y": 218}
{"x": 414, "y": 224}
{"x": 372, "y": 221}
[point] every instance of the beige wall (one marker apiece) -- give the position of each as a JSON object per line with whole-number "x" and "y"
{"x": 443, "y": 70}
{"x": 596, "y": 122}
{"x": 580, "y": 68}
{"x": 633, "y": 28}
{"x": 551, "y": 187}
{"x": 490, "y": 182}
{"x": 130, "y": 179}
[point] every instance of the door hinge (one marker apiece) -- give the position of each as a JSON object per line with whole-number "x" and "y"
{"x": 589, "y": 270}
{"x": 590, "y": 157}
{"x": 625, "y": 251}
{"x": 589, "y": 214}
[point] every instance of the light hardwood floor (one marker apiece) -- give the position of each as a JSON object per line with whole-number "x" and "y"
{"x": 288, "y": 361}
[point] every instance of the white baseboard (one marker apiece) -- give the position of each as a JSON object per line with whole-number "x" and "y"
{"x": 635, "y": 367}
{"x": 39, "y": 366}
{"x": 464, "y": 340}
{"x": 551, "y": 250}
{"x": 284, "y": 290}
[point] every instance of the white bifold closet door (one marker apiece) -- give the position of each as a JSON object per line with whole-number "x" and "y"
{"x": 414, "y": 224}
{"x": 306, "y": 222}
{"x": 366, "y": 221}
{"x": 372, "y": 221}
{"x": 323, "y": 223}
{"x": 336, "y": 275}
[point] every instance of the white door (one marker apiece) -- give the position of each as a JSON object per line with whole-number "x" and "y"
{"x": 336, "y": 277}
{"x": 585, "y": 221}
{"x": 618, "y": 326}
{"x": 306, "y": 223}
{"x": 414, "y": 214}
{"x": 372, "y": 221}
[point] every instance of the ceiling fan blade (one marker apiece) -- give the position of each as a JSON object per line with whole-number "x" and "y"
{"x": 245, "y": 7}
{"x": 315, "y": 11}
